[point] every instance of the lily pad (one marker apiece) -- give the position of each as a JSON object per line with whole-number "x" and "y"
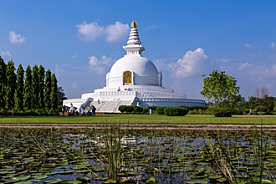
{"x": 85, "y": 178}
{"x": 110, "y": 181}
{"x": 23, "y": 177}
{"x": 11, "y": 180}
{"x": 129, "y": 180}
{"x": 65, "y": 172}
{"x": 264, "y": 181}
{"x": 150, "y": 180}
{"x": 53, "y": 181}
{"x": 71, "y": 182}
{"x": 24, "y": 182}
{"x": 198, "y": 181}
{"x": 39, "y": 176}
{"x": 132, "y": 173}
{"x": 49, "y": 165}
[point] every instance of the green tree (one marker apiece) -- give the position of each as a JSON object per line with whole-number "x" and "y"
{"x": 266, "y": 101}
{"x": 54, "y": 88}
{"x": 254, "y": 102}
{"x": 60, "y": 96}
{"x": 11, "y": 85}
{"x": 220, "y": 88}
{"x": 41, "y": 85}
{"x": 2, "y": 82}
{"x": 28, "y": 88}
{"x": 19, "y": 93}
{"x": 47, "y": 91}
{"x": 35, "y": 88}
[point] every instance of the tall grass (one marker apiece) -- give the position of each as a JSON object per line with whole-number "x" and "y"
{"x": 222, "y": 158}
{"x": 113, "y": 150}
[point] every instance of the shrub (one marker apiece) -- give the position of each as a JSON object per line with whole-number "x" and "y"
{"x": 152, "y": 107}
{"x": 222, "y": 111}
{"x": 30, "y": 113}
{"x": 122, "y": 108}
{"x": 137, "y": 109}
{"x": 198, "y": 109}
{"x": 145, "y": 110}
{"x": 59, "y": 108}
{"x": 41, "y": 111}
{"x": 160, "y": 110}
{"x": 261, "y": 109}
{"x": 246, "y": 111}
{"x": 176, "y": 111}
{"x": 129, "y": 109}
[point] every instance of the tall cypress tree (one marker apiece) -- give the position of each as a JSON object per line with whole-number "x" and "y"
{"x": 19, "y": 93}
{"x": 35, "y": 88}
{"x": 60, "y": 96}
{"x": 2, "y": 82}
{"x": 28, "y": 89}
{"x": 47, "y": 92}
{"x": 41, "y": 85}
{"x": 11, "y": 85}
{"x": 54, "y": 88}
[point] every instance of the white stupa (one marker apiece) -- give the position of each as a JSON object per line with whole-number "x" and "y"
{"x": 132, "y": 80}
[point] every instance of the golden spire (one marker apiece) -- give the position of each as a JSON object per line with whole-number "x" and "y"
{"x": 134, "y": 24}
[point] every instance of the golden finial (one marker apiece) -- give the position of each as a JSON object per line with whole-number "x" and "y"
{"x": 134, "y": 24}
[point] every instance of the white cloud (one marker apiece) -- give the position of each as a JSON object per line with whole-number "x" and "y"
{"x": 75, "y": 85}
{"x": 244, "y": 65}
{"x": 151, "y": 27}
{"x": 224, "y": 60}
{"x": 248, "y": 46}
{"x": 265, "y": 72}
{"x": 192, "y": 64}
{"x": 274, "y": 69}
{"x": 58, "y": 70}
{"x": 116, "y": 31}
{"x": 69, "y": 70}
{"x": 6, "y": 53}
{"x": 90, "y": 31}
{"x": 112, "y": 33}
{"x": 16, "y": 38}
{"x": 273, "y": 45}
{"x": 99, "y": 65}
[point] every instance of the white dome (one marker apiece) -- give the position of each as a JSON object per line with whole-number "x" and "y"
{"x": 135, "y": 63}
{"x": 143, "y": 71}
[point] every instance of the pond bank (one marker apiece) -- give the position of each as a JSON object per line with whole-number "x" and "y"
{"x": 148, "y": 126}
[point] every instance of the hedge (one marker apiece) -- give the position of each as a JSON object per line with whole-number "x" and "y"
{"x": 160, "y": 110}
{"x": 176, "y": 111}
{"x": 137, "y": 109}
{"x": 222, "y": 111}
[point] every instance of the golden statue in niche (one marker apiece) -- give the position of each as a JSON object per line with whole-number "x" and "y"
{"x": 127, "y": 79}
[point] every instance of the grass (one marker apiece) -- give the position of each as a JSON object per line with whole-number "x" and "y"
{"x": 140, "y": 119}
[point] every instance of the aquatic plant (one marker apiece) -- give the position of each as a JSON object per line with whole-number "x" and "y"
{"x": 118, "y": 154}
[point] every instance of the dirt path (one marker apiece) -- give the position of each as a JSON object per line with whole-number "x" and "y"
{"x": 147, "y": 126}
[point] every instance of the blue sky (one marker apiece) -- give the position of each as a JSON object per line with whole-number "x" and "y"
{"x": 80, "y": 40}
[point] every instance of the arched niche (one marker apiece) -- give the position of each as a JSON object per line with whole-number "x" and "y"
{"x": 127, "y": 78}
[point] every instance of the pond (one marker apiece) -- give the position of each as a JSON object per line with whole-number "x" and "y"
{"x": 117, "y": 155}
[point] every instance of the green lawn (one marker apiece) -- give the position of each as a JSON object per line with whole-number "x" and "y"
{"x": 139, "y": 118}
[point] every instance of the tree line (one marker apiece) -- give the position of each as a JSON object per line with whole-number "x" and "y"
{"x": 30, "y": 89}
{"x": 224, "y": 99}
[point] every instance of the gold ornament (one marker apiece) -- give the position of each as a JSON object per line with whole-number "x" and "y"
{"x": 134, "y": 24}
